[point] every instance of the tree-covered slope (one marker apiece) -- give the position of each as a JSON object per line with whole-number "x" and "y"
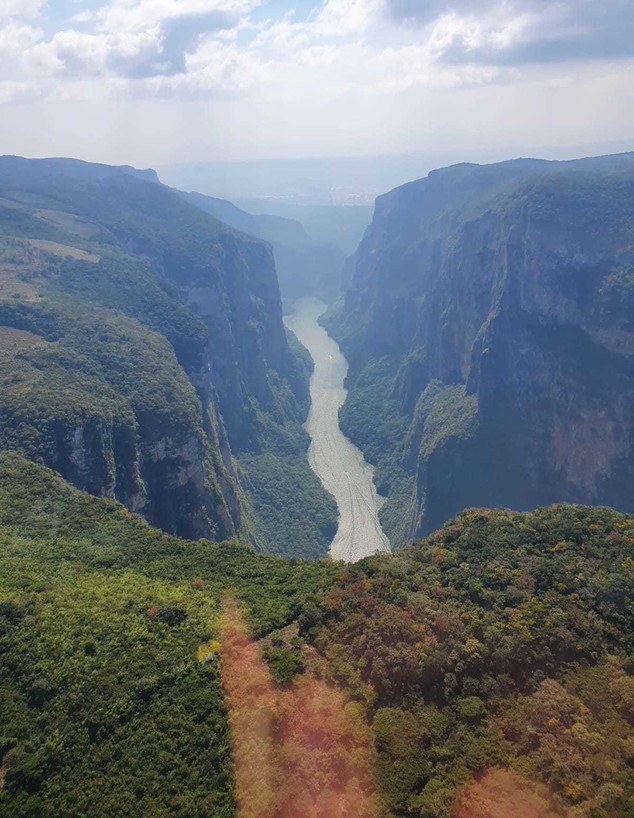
{"x": 155, "y": 354}
{"x": 101, "y": 622}
{"x": 504, "y": 640}
{"x": 500, "y": 647}
{"x": 488, "y": 329}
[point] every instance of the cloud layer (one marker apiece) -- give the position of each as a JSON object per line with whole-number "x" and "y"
{"x": 365, "y": 63}
{"x": 216, "y": 47}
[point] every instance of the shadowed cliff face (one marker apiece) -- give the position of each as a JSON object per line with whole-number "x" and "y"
{"x": 489, "y": 330}
{"x": 147, "y": 347}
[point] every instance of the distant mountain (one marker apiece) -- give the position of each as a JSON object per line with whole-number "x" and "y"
{"x": 304, "y": 266}
{"x": 143, "y": 356}
{"x": 341, "y": 225}
{"x": 489, "y": 331}
{"x": 276, "y": 228}
{"x": 16, "y": 170}
{"x": 354, "y": 180}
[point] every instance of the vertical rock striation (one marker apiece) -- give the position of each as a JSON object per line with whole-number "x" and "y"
{"x": 490, "y": 335}
{"x": 153, "y": 350}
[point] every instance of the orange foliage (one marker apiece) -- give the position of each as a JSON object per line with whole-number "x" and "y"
{"x": 301, "y": 752}
{"x": 502, "y": 793}
{"x": 251, "y": 700}
{"x": 324, "y": 752}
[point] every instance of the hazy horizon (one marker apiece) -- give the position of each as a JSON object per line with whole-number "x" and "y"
{"x": 350, "y": 180}
{"x": 160, "y": 82}
{"x": 281, "y": 185}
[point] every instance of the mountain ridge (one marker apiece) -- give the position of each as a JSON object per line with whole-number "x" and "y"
{"x": 212, "y": 292}
{"x": 304, "y": 266}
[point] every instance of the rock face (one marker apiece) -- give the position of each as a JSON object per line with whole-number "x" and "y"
{"x": 304, "y": 266}
{"x": 489, "y": 327}
{"x": 145, "y": 348}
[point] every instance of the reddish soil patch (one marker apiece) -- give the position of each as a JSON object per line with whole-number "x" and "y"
{"x": 501, "y": 794}
{"x": 302, "y": 751}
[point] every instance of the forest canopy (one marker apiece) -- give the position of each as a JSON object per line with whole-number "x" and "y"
{"x": 501, "y": 642}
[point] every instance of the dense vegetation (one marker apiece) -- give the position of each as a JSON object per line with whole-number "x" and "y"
{"x": 101, "y": 622}
{"x": 503, "y": 639}
{"x": 288, "y": 507}
{"x": 488, "y": 328}
{"x": 372, "y": 418}
{"x": 144, "y": 357}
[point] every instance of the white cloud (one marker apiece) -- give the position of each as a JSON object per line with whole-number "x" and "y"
{"x": 17, "y": 42}
{"x": 187, "y": 46}
{"x": 16, "y": 38}
{"x": 82, "y": 17}
{"x": 219, "y": 70}
{"x": 469, "y": 33}
{"x": 128, "y": 15}
{"x": 338, "y": 18}
{"x": 369, "y": 56}
{"x": 20, "y": 8}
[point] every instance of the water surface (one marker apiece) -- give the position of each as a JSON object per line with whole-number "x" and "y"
{"x": 338, "y": 463}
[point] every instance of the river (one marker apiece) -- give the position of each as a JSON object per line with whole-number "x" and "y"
{"x": 338, "y": 463}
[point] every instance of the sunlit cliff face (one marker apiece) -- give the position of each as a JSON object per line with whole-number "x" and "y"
{"x": 300, "y": 752}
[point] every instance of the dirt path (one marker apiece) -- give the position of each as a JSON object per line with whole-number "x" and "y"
{"x": 338, "y": 463}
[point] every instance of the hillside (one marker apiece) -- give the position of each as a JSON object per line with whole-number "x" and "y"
{"x": 489, "y": 334}
{"x": 146, "y": 359}
{"x": 101, "y": 618}
{"x": 305, "y": 267}
{"x": 501, "y": 644}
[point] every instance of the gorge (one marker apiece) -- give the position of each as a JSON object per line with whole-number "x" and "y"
{"x": 174, "y": 478}
{"x": 145, "y": 358}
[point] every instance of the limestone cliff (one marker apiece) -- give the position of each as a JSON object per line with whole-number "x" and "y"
{"x": 145, "y": 351}
{"x": 489, "y": 330}
{"x": 304, "y": 266}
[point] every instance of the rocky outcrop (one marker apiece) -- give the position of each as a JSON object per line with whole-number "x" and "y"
{"x": 169, "y": 480}
{"x": 489, "y": 330}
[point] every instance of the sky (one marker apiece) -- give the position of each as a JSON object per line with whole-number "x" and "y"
{"x": 155, "y": 82}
